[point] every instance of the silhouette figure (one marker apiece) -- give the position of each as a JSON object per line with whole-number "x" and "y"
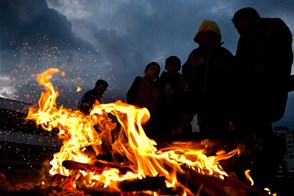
{"x": 175, "y": 118}
{"x": 92, "y": 96}
{"x": 264, "y": 58}
{"x": 208, "y": 74}
{"x": 144, "y": 93}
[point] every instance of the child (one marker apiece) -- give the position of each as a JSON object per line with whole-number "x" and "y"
{"x": 208, "y": 74}
{"x": 169, "y": 83}
{"x": 144, "y": 93}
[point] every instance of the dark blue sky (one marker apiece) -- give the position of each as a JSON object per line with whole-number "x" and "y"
{"x": 112, "y": 40}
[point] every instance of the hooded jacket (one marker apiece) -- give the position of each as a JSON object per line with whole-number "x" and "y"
{"x": 208, "y": 25}
{"x": 208, "y": 73}
{"x": 204, "y": 67}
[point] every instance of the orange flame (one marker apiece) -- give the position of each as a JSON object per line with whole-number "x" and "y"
{"x": 78, "y": 131}
{"x": 248, "y": 177}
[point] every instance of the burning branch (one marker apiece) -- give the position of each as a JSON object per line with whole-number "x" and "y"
{"x": 98, "y": 168}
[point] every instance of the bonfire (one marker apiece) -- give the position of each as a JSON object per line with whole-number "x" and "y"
{"x": 108, "y": 151}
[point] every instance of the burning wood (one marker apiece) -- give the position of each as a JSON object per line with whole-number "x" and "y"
{"x": 195, "y": 182}
{"x": 192, "y": 180}
{"x": 99, "y": 166}
{"x": 208, "y": 185}
{"x": 148, "y": 183}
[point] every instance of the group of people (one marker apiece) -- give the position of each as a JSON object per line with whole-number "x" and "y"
{"x": 164, "y": 96}
{"x": 237, "y": 95}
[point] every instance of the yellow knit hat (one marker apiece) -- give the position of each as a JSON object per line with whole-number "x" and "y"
{"x": 208, "y": 25}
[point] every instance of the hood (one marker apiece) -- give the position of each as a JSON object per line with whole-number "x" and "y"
{"x": 208, "y": 25}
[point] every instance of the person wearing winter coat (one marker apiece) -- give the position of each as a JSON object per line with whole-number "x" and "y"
{"x": 175, "y": 116}
{"x": 208, "y": 72}
{"x": 264, "y": 59}
{"x": 145, "y": 93}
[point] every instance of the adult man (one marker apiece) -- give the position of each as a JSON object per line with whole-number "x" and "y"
{"x": 91, "y": 96}
{"x": 264, "y": 58}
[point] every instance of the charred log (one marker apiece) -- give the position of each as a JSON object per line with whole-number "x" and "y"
{"x": 98, "y": 167}
{"x": 73, "y": 165}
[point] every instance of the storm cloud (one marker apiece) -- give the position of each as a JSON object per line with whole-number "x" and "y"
{"x": 112, "y": 40}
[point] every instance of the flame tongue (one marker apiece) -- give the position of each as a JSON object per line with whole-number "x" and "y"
{"x": 77, "y": 132}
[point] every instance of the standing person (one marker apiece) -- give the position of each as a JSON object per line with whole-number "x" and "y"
{"x": 208, "y": 74}
{"x": 170, "y": 82}
{"x": 144, "y": 93}
{"x": 264, "y": 58}
{"x": 92, "y": 96}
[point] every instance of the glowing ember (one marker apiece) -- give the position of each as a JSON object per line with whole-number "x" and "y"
{"x": 249, "y": 177}
{"x": 118, "y": 128}
{"x": 78, "y": 89}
